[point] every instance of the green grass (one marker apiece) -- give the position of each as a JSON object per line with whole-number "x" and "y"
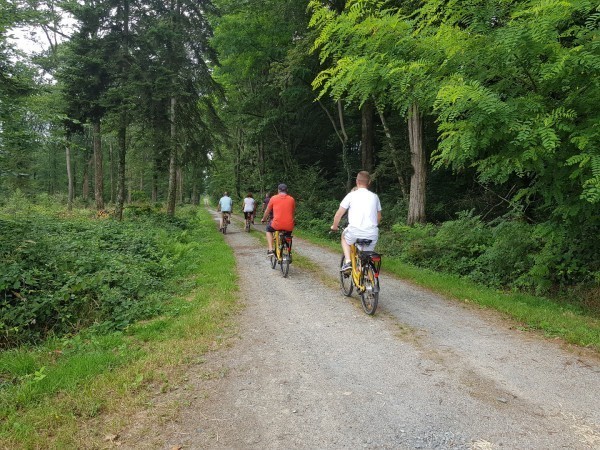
{"x": 48, "y": 392}
{"x": 551, "y": 317}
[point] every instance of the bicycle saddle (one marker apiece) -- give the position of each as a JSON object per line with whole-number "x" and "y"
{"x": 364, "y": 241}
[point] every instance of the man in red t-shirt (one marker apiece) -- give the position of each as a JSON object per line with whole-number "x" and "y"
{"x": 283, "y": 207}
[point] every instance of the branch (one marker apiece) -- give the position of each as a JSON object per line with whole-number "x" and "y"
{"x": 510, "y": 202}
{"x": 331, "y": 120}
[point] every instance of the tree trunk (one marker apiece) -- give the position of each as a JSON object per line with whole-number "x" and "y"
{"x": 155, "y": 180}
{"x": 344, "y": 138}
{"x": 261, "y": 166}
{"x": 416, "y": 204}
{"x": 171, "y": 197}
{"x": 394, "y": 154}
{"x": 195, "y": 200}
{"x": 367, "y": 141}
{"x": 111, "y": 163}
{"x": 122, "y": 143}
{"x": 98, "y": 172}
{"x": 69, "y": 175}
{"x": 237, "y": 163}
{"x": 87, "y": 169}
{"x": 124, "y": 118}
{"x": 179, "y": 185}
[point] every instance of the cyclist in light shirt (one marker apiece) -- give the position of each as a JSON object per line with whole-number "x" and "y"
{"x": 225, "y": 206}
{"x": 249, "y": 208}
{"x": 364, "y": 215}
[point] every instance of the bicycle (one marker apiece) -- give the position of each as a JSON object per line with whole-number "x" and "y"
{"x": 226, "y": 221}
{"x": 282, "y": 241}
{"x": 364, "y": 275}
{"x": 249, "y": 219}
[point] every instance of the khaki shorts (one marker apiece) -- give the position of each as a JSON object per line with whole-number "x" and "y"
{"x": 350, "y": 236}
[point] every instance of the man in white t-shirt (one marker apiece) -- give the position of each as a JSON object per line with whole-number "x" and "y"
{"x": 364, "y": 215}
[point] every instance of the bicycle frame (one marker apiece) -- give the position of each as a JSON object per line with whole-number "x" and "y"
{"x": 248, "y": 221}
{"x": 280, "y": 241}
{"x": 357, "y": 267}
{"x": 226, "y": 218}
{"x": 278, "y": 244}
{"x": 364, "y": 275}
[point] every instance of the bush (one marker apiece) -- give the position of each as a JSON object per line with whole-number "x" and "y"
{"x": 508, "y": 253}
{"x": 508, "y": 258}
{"x": 567, "y": 255}
{"x": 451, "y": 247}
{"x": 61, "y": 275}
{"x": 139, "y": 196}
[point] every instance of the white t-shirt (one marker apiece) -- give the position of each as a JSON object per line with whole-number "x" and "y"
{"x": 249, "y": 203}
{"x": 363, "y": 206}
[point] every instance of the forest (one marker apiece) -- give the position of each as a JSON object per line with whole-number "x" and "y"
{"x": 478, "y": 121}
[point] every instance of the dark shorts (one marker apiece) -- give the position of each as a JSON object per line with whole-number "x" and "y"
{"x": 248, "y": 214}
{"x": 270, "y": 229}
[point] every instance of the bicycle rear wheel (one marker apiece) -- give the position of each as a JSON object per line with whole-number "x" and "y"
{"x": 285, "y": 260}
{"x": 248, "y": 225}
{"x": 346, "y": 282}
{"x": 370, "y": 296}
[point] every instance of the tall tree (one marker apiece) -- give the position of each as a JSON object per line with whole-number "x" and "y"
{"x": 86, "y": 76}
{"x": 373, "y": 54}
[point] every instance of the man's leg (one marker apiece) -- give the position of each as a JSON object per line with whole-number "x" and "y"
{"x": 270, "y": 240}
{"x": 346, "y": 249}
{"x": 221, "y": 222}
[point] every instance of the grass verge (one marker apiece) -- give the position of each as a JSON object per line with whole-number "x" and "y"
{"x": 73, "y": 392}
{"x": 551, "y": 317}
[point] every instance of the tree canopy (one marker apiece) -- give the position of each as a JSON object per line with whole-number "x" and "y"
{"x": 483, "y": 109}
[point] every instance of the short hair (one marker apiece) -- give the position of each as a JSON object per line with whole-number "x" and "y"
{"x": 226, "y": 193}
{"x": 363, "y": 177}
{"x": 249, "y": 194}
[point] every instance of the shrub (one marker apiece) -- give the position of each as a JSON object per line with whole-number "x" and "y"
{"x": 508, "y": 258}
{"x": 62, "y": 275}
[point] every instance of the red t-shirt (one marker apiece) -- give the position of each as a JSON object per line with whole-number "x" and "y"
{"x": 283, "y": 207}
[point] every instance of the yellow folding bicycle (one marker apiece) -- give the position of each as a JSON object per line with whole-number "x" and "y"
{"x": 282, "y": 241}
{"x": 364, "y": 275}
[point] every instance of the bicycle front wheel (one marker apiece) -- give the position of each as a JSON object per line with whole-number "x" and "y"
{"x": 346, "y": 282}
{"x": 370, "y": 296}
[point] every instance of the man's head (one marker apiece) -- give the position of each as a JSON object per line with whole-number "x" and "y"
{"x": 363, "y": 179}
{"x": 226, "y": 194}
{"x": 282, "y": 188}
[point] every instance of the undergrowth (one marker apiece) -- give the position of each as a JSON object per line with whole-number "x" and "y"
{"x": 103, "y": 373}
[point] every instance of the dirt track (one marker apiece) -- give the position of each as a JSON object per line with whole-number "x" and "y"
{"x": 307, "y": 369}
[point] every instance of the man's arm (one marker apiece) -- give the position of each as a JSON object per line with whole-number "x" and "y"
{"x": 267, "y": 210}
{"x": 338, "y": 216}
{"x": 378, "y": 217}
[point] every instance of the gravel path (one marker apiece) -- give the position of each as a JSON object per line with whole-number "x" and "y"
{"x": 308, "y": 369}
